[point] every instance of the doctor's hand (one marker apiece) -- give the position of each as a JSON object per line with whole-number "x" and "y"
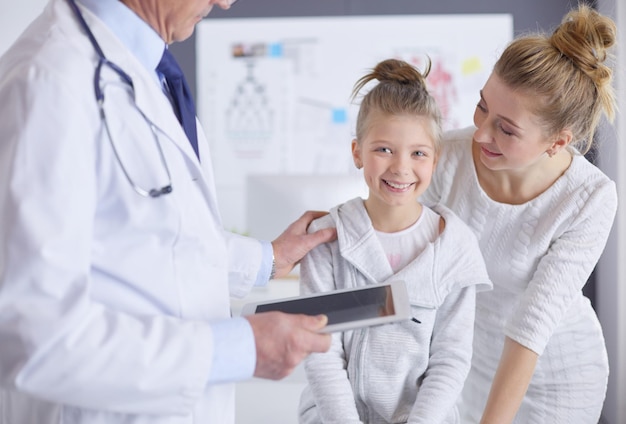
{"x": 291, "y": 246}
{"x": 284, "y": 340}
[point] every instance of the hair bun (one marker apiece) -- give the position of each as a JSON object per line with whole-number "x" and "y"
{"x": 399, "y": 71}
{"x": 584, "y": 37}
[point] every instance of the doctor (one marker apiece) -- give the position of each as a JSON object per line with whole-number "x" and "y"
{"x": 115, "y": 272}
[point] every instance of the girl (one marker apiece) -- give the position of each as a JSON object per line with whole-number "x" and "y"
{"x": 411, "y": 371}
{"x": 542, "y": 214}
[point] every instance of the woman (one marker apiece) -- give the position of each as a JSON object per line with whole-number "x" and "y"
{"x": 542, "y": 214}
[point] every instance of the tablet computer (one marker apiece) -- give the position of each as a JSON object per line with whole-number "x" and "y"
{"x": 346, "y": 309}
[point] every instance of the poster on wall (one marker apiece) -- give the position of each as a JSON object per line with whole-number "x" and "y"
{"x": 274, "y": 93}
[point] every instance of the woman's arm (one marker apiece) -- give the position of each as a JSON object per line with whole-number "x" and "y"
{"x": 516, "y": 368}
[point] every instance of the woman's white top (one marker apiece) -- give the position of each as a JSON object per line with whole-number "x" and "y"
{"x": 402, "y": 247}
{"x": 539, "y": 255}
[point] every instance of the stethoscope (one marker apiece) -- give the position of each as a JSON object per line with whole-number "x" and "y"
{"x": 99, "y": 93}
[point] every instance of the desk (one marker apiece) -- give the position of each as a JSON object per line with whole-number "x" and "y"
{"x": 266, "y": 401}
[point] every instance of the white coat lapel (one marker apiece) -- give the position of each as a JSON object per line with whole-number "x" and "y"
{"x": 150, "y": 99}
{"x": 149, "y": 96}
{"x": 152, "y": 102}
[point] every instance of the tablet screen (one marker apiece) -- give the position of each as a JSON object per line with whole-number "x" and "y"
{"x": 340, "y": 307}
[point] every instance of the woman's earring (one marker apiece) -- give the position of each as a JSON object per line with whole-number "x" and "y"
{"x": 550, "y": 152}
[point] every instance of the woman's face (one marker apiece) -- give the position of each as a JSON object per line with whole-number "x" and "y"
{"x": 508, "y": 134}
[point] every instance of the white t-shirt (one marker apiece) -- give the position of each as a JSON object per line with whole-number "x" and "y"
{"x": 403, "y": 246}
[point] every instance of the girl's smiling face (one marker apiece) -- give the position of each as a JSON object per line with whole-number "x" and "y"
{"x": 398, "y": 158}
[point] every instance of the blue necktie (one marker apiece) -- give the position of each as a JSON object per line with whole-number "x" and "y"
{"x": 181, "y": 96}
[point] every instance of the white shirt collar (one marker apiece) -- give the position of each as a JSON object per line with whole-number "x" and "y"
{"x": 139, "y": 37}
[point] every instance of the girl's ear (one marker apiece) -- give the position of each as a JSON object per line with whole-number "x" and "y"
{"x": 356, "y": 154}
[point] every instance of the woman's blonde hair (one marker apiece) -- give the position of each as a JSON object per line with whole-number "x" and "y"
{"x": 401, "y": 90}
{"x": 566, "y": 73}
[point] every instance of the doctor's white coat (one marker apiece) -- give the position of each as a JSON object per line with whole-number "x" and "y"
{"x": 105, "y": 295}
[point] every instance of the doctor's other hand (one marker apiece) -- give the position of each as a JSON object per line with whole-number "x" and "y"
{"x": 291, "y": 246}
{"x": 284, "y": 340}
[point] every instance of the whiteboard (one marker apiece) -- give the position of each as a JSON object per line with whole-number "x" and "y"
{"x": 274, "y": 93}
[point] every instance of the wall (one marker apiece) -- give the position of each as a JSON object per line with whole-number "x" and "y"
{"x": 611, "y": 271}
{"x": 528, "y": 15}
{"x": 14, "y": 17}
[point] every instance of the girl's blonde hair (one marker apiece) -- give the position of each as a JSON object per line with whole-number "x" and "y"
{"x": 401, "y": 90}
{"x": 566, "y": 74}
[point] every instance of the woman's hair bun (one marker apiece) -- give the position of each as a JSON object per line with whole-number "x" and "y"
{"x": 584, "y": 36}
